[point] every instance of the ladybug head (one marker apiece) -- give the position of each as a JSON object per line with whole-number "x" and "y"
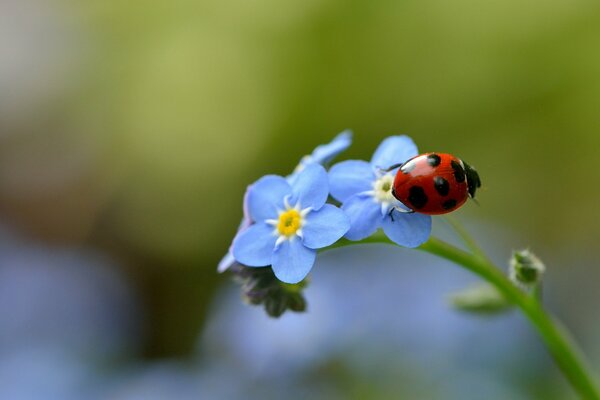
{"x": 473, "y": 180}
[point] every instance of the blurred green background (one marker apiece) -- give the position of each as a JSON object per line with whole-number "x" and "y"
{"x": 134, "y": 127}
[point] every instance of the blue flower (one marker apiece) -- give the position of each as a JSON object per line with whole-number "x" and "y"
{"x": 290, "y": 223}
{"x": 322, "y": 154}
{"x": 365, "y": 191}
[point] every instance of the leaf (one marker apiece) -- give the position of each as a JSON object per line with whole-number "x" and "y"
{"x": 482, "y": 298}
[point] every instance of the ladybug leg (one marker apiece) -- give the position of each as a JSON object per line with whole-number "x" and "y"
{"x": 391, "y": 168}
{"x": 400, "y": 210}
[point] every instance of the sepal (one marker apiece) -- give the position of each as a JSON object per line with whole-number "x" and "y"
{"x": 260, "y": 286}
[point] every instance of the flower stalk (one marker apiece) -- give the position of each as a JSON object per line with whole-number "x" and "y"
{"x": 558, "y": 341}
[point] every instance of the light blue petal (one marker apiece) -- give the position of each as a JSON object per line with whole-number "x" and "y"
{"x": 246, "y": 220}
{"x": 325, "y": 227}
{"x": 265, "y": 197}
{"x": 254, "y": 246}
{"x": 394, "y": 150}
{"x": 291, "y": 178}
{"x": 325, "y": 153}
{"x": 349, "y": 178}
{"x": 292, "y": 261}
{"x": 408, "y": 230}
{"x": 365, "y": 216}
{"x": 227, "y": 261}
{"x": 311, "y": 187}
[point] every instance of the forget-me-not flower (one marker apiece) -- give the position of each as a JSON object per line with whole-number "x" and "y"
{"x": 365, "y": 191}
{"x": 290, "y": 223}
{"x": 322, "y": 154}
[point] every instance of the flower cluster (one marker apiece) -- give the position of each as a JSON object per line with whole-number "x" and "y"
{"x": 287, "y": 219}
{"x": 322, "y": 155}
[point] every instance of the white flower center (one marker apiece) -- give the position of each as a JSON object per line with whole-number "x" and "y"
{"x": 382, "y": 194}
{"x": 382, "y": 189}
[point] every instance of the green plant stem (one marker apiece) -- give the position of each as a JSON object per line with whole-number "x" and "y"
{"x": 559, "y": 343}
{"x": 465, "y": 236}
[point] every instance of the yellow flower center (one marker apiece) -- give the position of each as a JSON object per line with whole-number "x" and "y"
{"x": 289, "y": 222}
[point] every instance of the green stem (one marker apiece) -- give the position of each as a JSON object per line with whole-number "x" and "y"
{"x": 559, "y": 343}
{"x": 465, "y": 236}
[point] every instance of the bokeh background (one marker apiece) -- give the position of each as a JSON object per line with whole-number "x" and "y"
{"x": 130, "y": 129}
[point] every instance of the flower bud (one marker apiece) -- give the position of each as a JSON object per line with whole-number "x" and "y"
{"x": 261, "y": 286}
{"x": 276, "y": 304}
{"x": 526, "y": 269}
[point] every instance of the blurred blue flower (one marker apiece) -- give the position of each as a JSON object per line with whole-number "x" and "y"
{"x": 322, "y": 154}
{"x": 65, "y": 314}
{"x": 64, "y": 298}
{"x": 365, "y": 191}
{"x": 43, "y": 373}
{"x": 291, "y": 222}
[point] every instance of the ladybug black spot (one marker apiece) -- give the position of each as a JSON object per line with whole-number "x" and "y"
{"x": 417, "y": 197}
{"x": 459, "y": 172}
{"x": 434, "y": 160}
{"x": 441, "y": 186}
{"x": 408, "y": 167}
{"x": 449, "y": 204}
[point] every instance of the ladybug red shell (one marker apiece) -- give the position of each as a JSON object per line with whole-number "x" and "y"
{"x": 435, "y": 183}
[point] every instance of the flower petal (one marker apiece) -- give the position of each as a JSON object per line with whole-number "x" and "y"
{"x": 324, "y": 153}
{"x": 408, "y": 230}
{"x": 246, "y": 219}
{"x": 365, "y": 216}
{"x": 227, "y": 261}
{"x": 349, "y": 178}
{"x": 254, "y": 246}
{"x": 265, "y": 197}
{"x": 311, "y": 187}
{"x": 394, "y": 150}
{"x": 292, "y": 261}
{"x": 325, "y": 227}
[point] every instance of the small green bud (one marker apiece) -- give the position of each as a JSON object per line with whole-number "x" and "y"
{"x": 261, "y": 286}
{"x": 296, "y": 302}
{"x": 276, "y": 305}
{"x": 526, "y": 269}
{"x": 482, "y": 298}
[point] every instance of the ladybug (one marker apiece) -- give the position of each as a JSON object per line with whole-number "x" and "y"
{"x": 434, "y": 183}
